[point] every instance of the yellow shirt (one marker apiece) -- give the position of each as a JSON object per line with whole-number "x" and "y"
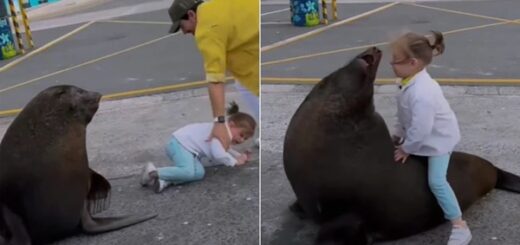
{"x": 228, "y": 38}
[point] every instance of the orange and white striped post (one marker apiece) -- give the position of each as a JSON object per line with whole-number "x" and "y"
{"x": 28, "y": 33}
{"x": 324, "y": 12}
{"x": 334, "y": 10}
{"x": 14, "y": 19}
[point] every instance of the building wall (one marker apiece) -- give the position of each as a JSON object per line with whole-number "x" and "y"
{"x": 28, "y": 3}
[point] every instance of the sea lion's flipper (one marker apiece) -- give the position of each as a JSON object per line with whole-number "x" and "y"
{"x": 14, "y": 224}
{"x": 93, "y": 225}
{"x": 98, "y": 196}
{"x": 297, "y": 210}
{"x": 345, "y": 229}
{"x": 507, "y": 181}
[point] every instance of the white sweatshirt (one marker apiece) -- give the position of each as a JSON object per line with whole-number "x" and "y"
{"x": 425, "y": 119}
{"x": 194, "y": 138}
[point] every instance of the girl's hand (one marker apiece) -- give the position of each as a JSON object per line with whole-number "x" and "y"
{"x": 397, "y": 140}
{"x": 248, "y": 154}
{"x": 400, "y": 155}
{"x": 242, "y": 159}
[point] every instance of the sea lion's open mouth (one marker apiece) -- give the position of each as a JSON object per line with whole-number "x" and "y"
{"x": 372, "y": 56}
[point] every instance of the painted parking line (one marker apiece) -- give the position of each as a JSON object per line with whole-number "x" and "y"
{"x": 277, "y": 23}
{"x": 385, "y": 81}
{"x": 86, "y": 63}
{"x": 275, "y": 11}
{"x": 138, "y": 92}
{"x": 136, "y": 22}
{"x": 307, "y": 56}
{"x": 44, "y": 47}
{"x": 324, "y": 28}
{"x": 156, "y": 90}
{"x": 458, "y": 12}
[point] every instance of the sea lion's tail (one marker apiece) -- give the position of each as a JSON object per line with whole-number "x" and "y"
{"x": 508, "y": 181}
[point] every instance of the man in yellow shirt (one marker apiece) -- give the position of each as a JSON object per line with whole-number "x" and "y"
{"x": 226, "y": 32}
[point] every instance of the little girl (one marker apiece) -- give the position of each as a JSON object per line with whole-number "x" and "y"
{"x": 190, "y": 143}
{"x": 426, "y": 125}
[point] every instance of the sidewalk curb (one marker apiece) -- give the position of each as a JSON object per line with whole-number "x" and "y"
{"x": 184, "y": 90}
{"x": 449, "y": 90}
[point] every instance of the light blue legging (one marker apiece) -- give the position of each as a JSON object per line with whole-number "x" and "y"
{"x": 186, "y": 167}
{"x": 437, "y": 171}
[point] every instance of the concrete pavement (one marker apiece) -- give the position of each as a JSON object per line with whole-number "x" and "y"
{"x": 488, "y": 120}
{"x": 125, "y": 134}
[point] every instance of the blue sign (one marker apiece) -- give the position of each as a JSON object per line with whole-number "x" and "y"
{"x": 8, "y": 50}
{"x": 305, "y": 12}
{"x": 3, "y": 9}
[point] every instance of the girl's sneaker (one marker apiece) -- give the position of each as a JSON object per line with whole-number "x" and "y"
{"x": 160, "y": 185}
{"x": 146, "y": 179}
{"x": 460, "y": 236}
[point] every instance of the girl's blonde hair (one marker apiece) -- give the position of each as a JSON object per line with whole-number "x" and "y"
{"x": 417, "y": 46}
{"x": 241, "y": 119}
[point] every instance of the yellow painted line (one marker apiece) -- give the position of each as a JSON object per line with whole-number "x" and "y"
{"x": 321, "y": 54}
{"x": 476, "y": 27}
{"x": 458, "y": 12}
{"x": 275, "y": 11}
{"x": 87, "y": 63}
{"x": 287, "y": 60}
{"x": 7, "y": 113}
{"x": 276, "y": 23}
{"x": 44, "y": 47}
{"x": 158, "y": 90}
{"x": 135, "y": 93}
{"x": 309, "y": 80}
{"x": 322, "y": 29}
{"x": 384, "y": 81}
{"x": 478, "y": 81}
{"x": 148, "y": 91}
{"x": 136, "y": 22}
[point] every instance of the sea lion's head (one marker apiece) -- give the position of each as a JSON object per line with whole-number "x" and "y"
{"x": 65, "y": 102}
{"x": 358, "y": 74}
{"x": 350, "y": 89}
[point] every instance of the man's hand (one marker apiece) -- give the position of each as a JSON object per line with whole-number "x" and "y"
{"x": 400, "y": 155}
{"x": 220, "y": 132}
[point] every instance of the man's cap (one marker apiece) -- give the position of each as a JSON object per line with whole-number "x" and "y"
{"x": 178, "y": 9}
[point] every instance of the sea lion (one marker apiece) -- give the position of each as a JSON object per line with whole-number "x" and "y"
{"x": 47, "y": 189}
{"x": 339, "y": 159}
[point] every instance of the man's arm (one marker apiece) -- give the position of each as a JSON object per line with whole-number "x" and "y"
{"x": 211, "y": 37}
{"x": 217, "y": 98}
